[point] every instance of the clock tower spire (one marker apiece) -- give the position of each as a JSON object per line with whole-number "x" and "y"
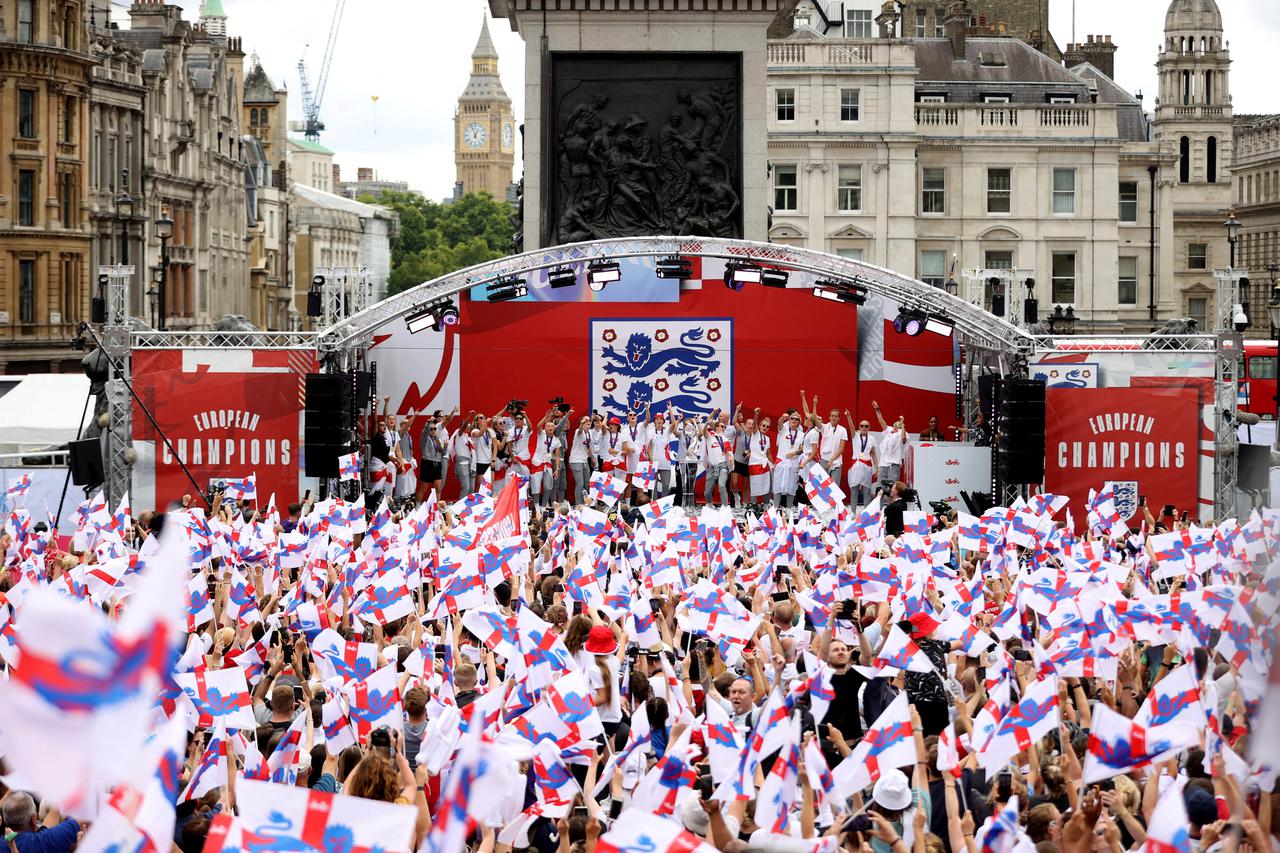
{"x": 484, "y": 127}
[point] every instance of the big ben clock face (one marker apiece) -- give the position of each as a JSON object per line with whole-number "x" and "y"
{"x": 474, "y": 135}
{"x": 506, "y": 135}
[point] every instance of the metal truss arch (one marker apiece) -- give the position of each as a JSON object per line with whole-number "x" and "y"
{"x": 975, "y": 325}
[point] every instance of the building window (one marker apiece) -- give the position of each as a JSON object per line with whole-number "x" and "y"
{"x": 851, "y": 254}
{"x": 65, "y": 198}
{"x": 26, "y": 197}
{"x": 1211, "y": 160}
{"x": 26, "y": 291}
{"x": 1198, "y": 310}
{"x": 1197, "y": 256}
{"x": 999, "y": 190}
{"x": 1064, "y": 191}
{"x": 849, "y": 101}
{"x": 922, "y": 23}
{"x": 939, "y": 23}
{"x": 849, "y": 189}
{"x": 996, "y": 99}
{"x": 111, "y": 164}
{"x": 785, "y": 104}
{"x": 785, "y": 188}
{"x": 68, "y": 119}
{"x": 931, "y": 99}
{"x": 1261, "y": 367}
{"x": 26, "y": 21}
{"x": 26, "y": 113}
{"x": 1127, "y": 293}
{"x": 1064, "y": 278}
{"x": 933, "y": 196}
{"x": 857, "y": 24}
{"x": 1184, "y": 160}
{"x": 998, "y": 260}
{"x": 801, "y": 20}
{"x": 933, "y": 267}
{"x": 1062, "y": 99}
{"x": 1128, "y": 201}
{"x": 253, "y": 117}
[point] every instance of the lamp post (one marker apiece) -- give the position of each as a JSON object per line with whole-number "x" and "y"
{"x": 153, "y": 294}
{"x": 124, "y": 213}
{"x": 164, "y": 230}
{"x": 1233, "y": 227}
{"x": 1063, "y": 322}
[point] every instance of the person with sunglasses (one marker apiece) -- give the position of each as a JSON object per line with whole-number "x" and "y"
{"x": 786, "y": 472}
{"x": 863, "y": 462}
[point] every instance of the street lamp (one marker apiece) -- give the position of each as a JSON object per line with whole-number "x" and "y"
{"x": 1233, "y": 227}
{"x": 164, "y": 230}
{"x": 124, "y": 212}
{"x": 1062, "y": 322}
{"x": 153, "y": 295}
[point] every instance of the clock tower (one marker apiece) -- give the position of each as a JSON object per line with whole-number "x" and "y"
{"x": 484, "y": 139}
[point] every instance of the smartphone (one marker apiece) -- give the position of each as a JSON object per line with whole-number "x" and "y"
{"x": 1183, "y": 519}
{"x": 306, "y": 497}
{"x": 1021, "y": 654}
{"x": 781, "y": 596}
{"x": 380, "y": 738}
{"x": 655, "y": 605}
{"x": 1142, "y": 500}
{"x": 297, "y": 692}
{"x": 558, "y": 588}
{"x": 1168, "y": 510}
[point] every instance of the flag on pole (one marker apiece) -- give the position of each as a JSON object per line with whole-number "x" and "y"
{"x": 349, "y": 466}
{"x": 242, "y": 490}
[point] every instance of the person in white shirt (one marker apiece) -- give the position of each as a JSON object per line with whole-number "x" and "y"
{"x": 482, "y": 436}
{"x": 786, "y": 471}
{"x": 690, "y": 457}
{"x": 544, "y": 464}
{"x": 759, "y": 460}
{"x": 581, "y": 456}
{"x": 406, "y": 479}
{"x": 831, "y": 446}
{"x": 598, "y": 431}
{"x": 862, "y": 463}
{"x": 463, "y": 450}
{"x": 518, "y": 446}
{"x": 635, "y": 433}
{"x": 739, "y": 473}
{"x": 718, "y": 453}
{"x": 611, "y": 458}
{"x": 659, "y": 450}
{"x": 893, "y": 445}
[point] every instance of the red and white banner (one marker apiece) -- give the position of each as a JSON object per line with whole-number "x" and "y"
{"x": 1144, "y": 436}
{"x": 225, "y": 413}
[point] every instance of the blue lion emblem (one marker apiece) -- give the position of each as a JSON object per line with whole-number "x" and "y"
{"x": 691, "y": 401}
{"x": 640, "y": 360}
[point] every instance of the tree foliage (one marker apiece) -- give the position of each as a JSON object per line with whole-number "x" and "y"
{"x": 436, "y": 239}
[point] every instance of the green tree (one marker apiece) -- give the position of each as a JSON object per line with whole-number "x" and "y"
{"x": 436, "y": 239}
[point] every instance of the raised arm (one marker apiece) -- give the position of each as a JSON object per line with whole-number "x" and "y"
{"x": 875, "y": 407}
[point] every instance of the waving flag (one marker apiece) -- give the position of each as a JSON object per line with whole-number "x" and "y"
{"x": 285, "y": 817}
{"x": 551, "y": 778}
{"x": 211, "y": 770}
{"x": 603, "y": 487}
{"x": 142, "y": 817}
{"x": 545, "y": 656}
{"x": 346, "y": 659}
{"x": 899, "y": 653}
{"x": 1032, "y": 718}
{"x": 386, "y": 599}
{"x": 889, "y": 743}
{"x": 339, "y": 732}
{"x": 637, "y": 830}
{"x": 777, "y": 793}
{"x": 1168, "y": 830}
{"x": 242, "y": 490}
{"x": 19, "y": 488}
{"x": 219, "y": 697}
{"x": 375, "y": 702}
{"x": 825, "y": 496}
{"x": 1118, "y": 745}
{"x": 1174, "y": 698}
{"x": 493, "y": 628}
{"x": 349, "y": 466}
{"x": 1004, "y": 833}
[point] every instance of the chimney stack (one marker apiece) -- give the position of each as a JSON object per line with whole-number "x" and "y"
{"x": 957, "y": 26}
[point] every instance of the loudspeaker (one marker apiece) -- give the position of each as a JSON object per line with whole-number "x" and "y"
{"x": 326, "y": 422}
{"x": 1254, "y": 467}
{"x": 1020, "y": 457}
{"x": 364, "y": 387}
{"x": 85, "y": 461}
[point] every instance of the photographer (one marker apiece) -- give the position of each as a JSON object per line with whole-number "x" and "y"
{"x": 893, "y": 510}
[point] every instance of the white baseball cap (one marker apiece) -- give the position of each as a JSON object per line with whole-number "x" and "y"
{"x": 892, "y": 791}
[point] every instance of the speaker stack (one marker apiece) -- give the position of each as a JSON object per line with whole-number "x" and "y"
{"x": 1020, "y": 456}
{"x": 326, "y": 424}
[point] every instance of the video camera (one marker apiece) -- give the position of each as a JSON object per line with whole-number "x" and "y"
{"x": 515, "y": 407}
{"x": 940, "y": 508}
{"x": 560, "y": 405}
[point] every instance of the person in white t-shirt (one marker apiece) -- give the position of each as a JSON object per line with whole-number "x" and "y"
{"x": 831, "y": 447}
{"x": 544, "y": 464}
{"x": 863, "y": 462}
{"x": 690, "y": 432}
{"x": 731, "y": 432}
{"x": 659, "y": 451}
{"x": 462, "y": 448}
{"x": 790, "y": 445}
{"x": 581, "y": 457}
{"x": 717, "y": 453}
{"x": 759, "y": 460}
{"x": 482, "y": 437}
{"x": 893, "y": 445}
{"x": 635, "y": 433}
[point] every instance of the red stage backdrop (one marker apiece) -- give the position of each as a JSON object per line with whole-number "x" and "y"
{"x": 1143, "y": 439}
{"x": 227, "y": 413}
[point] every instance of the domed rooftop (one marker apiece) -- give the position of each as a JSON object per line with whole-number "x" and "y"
{"x": 1198, "y": 16}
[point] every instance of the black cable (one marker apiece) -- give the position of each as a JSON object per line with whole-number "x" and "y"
{"x": 85, "y": 327}
{"x": 67, "y": 480}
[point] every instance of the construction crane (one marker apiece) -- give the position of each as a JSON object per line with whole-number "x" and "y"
{"x": 311, "y": 125}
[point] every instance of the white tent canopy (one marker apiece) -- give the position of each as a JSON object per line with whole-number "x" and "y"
{"x": 43, "y": 411}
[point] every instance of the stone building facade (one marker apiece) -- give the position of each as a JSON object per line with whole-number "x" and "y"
{"x": 262, "y": 113}
{"x": 969, "y": 153}
{"x": 310, "y": 164}
{"x": 1256, "y": 176}
{"x": 45, "y": 253}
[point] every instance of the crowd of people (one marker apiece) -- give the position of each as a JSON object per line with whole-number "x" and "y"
{"x": 515, "y": 672}
{"x": 729, "y": 458}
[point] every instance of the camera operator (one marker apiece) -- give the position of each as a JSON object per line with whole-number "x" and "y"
{"x": 893, "y": 524}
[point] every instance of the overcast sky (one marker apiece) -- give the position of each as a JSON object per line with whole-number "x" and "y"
{"x": 414, "y": 55}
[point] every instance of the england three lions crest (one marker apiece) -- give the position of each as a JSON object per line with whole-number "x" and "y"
{"x": 671, "y": 365}
{"x": 1124, "y": 496}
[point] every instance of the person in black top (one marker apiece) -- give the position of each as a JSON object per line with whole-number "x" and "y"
{"x": 893, "y": 525}
{"x": 843, "y": 711}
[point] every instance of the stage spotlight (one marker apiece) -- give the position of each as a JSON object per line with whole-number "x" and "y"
{"x": 675, "y": 267}
{"x": 909, "y": 322}
{"x": 848, "y": 297}
{"x": 419, "y": 321}
{"x": 774, "y": 278}
{"x": 600, "y": 273}
{"x": 914, "y": 326}
{"x": 562, "y": 277}
{"x": 435, "y": 315}
{"x": 939, "y": 326}
{"x": 738, "y": 275}
{"x": 506, "y": 289}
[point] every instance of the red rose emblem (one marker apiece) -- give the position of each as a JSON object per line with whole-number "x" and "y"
{"x": 661, "y": 336}
{"x": 713, "y": 335}
{"x": 609, "y": 385}
{"x": 609, "y": 336}
{"x": 713, "y": 384}
{"x": 661, "y": 384}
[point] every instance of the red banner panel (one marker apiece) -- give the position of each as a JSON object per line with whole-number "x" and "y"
{"x": 225, "y": 413}
{"x": 1142, "y": 439}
